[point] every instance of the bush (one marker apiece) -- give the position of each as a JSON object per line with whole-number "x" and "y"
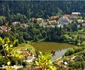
{"x": 77, "y": 49}
{"x": 78, "y": 58}
{"x": 74, "y": 65}
{"x": 69, "y": 52}
{"x": 15, "y": 43}
{"x": 3, "y": 60}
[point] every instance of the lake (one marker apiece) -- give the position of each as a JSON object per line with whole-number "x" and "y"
{"x": 49, "y": 46}
{"x": 60, "y": 48}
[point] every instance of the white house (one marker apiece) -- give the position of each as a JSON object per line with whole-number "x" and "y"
{"x": 76, "y": 13}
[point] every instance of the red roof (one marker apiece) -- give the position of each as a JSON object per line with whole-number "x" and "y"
{"x": 66, "y": 16}
{"x": 3, "y": 27}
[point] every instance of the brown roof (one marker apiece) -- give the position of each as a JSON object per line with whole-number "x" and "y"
{"x": 66, "y": 16}
{"x": 52, "y": 21}
{"x": 54, "y": 17}
{"x": 38, "y": 19}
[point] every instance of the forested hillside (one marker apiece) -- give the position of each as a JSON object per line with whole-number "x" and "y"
{"x": 23, "y": 23}
{"x": 40, "y": 8}
{"x": 22, "y": 11}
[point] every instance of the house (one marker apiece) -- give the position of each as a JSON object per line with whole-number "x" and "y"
{"x": 3, "y": 28}
{"x": 52, "y": 22}
{"x": 64, "y": 20}
{"x": 15, "y": 23}
{"x": 54, "y": 17}
{"x": 40, "y": 20}
{"x": 75, "y": 13}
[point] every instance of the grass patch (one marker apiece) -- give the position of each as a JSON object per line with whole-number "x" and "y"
{"x": 24, "y": 46}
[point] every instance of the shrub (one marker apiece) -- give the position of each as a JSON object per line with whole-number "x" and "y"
{"x": 77, "y": 49}
{"x": 3, "y": 60}
{"x": 69, "y": 52}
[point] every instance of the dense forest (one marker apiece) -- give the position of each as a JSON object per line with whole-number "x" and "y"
{"x": 40, "y": 8}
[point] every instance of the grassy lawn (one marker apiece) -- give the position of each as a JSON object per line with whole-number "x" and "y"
{"x": 24, "y": 46}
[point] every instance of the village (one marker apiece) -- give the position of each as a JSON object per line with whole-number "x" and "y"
{"x": 59, "y": 21}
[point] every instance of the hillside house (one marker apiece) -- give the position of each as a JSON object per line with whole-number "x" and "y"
{"x": 64, "y": 20}
{"x": 16, "y": 23}
{"x": 75, "y": 13}
{"x": 41, "y": 20}
{"x": 52, "y": 22}
{"x": 54, "y": 18}
{"x": 3, "y": 28}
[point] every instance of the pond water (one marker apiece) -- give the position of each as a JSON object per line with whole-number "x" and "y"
{"x": 60, "y": 48}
